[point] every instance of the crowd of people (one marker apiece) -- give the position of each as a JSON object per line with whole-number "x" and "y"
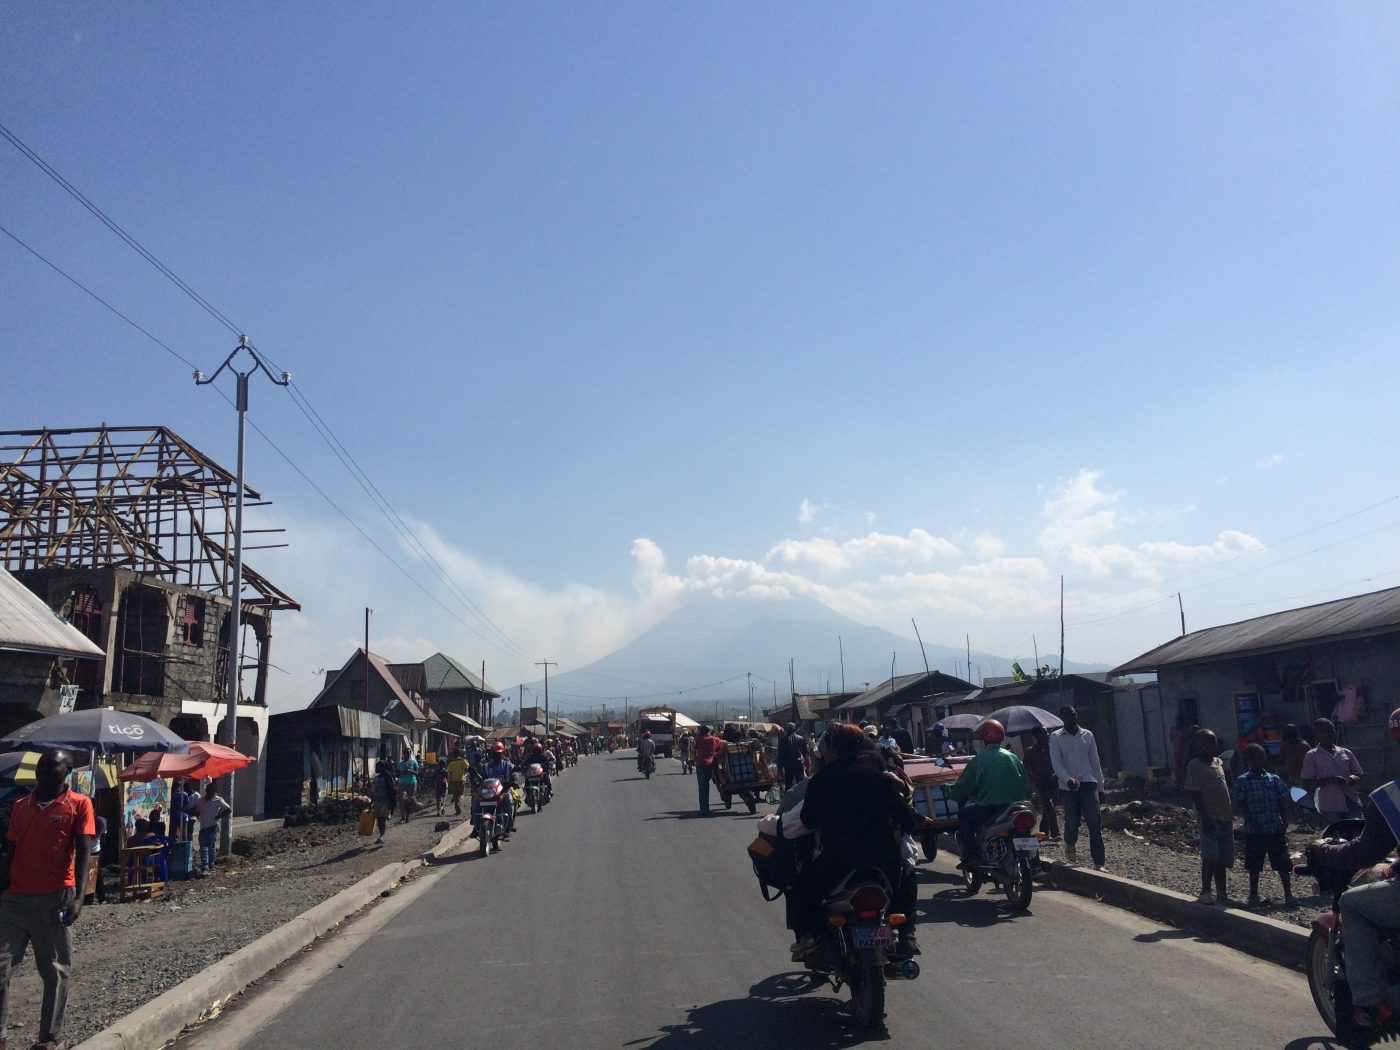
{"x": 404, "y": 787}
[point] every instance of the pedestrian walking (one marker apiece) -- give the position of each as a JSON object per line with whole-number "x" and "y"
{"x": 43, "y": 874}
{"x": 1333, "y": 772}
{"x": 1074, "y": 756}
{"x": 210, "y": 809}
{"x": 1261, "y": 798}
{"x": 457, "y": 780}
{"x": 1041, "y": 771}
{"x": 382, "y": 796}
{"x": 1210, "y": 793}
{"x": 440, "y": 784}
{"x": 707, "y": 748}
{"x": 793, "y": 756}
{"x": 408, "y": 786}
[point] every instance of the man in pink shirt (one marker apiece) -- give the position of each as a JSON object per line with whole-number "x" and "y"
{"x": 1333, "y": 772}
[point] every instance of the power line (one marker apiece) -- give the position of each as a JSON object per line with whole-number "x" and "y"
{"x": 323, "y": 430}
{"x": 264, "y": 435}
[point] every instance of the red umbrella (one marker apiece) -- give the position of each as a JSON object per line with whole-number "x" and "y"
{"x": 204, "y": 760}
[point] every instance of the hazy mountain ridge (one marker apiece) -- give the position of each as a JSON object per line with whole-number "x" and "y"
{"x": 712, "y": 640}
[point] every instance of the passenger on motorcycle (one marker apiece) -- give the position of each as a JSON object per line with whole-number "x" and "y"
{"x": 499, "y": 767}
{"x": 861, "y": 816}
{"x": 646, "y": 751}
{"x": 1368, "y": 911}
{"x": 991, "y": 781}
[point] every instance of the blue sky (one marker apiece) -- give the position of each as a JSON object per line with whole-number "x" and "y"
{"x": 603, "y": 296}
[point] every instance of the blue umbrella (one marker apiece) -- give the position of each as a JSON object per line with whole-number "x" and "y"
{"x": 101, "y": 729}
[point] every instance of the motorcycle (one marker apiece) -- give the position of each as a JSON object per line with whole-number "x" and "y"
{"x": 1326, "y": 952}
{"x": 860, "y": 946}
{"x": 647, "y": 765}
{"x": 1008, "y": 852}
{"x": 534, "y": 787}
{"x": 491, "y": 820}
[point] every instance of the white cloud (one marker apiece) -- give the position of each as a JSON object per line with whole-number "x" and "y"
{"x": 987, "y": 589}
{"x": 807, "y": 512}
{"x": 828, "y": 555}
{"x": 1271, "y": 461}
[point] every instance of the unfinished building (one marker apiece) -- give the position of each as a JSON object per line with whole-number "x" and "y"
{"x": 126, "y": 533}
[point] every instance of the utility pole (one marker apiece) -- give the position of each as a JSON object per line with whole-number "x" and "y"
{"x": 749, "y": 676}
{"x": 841, "y": 649}
{"x": 1181, "y": 609}
{"x": 364, "y": 744}
{"x": 546, "y": 664}
{"x": 229, "y": 732}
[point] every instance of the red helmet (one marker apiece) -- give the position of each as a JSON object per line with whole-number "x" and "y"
{"x": 498, "y": 748}
{"x": 536, "y": 746}
{"x": 991, "y": 731}
{"x": 1395, "y": 724}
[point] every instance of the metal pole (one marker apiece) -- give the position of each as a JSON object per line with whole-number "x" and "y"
{"x": 229, "y": 736}
{"x": 229, "y": 731}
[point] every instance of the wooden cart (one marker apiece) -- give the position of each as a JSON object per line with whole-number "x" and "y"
{"x": 742, "y": 769}
{"x": 940, "y": 813}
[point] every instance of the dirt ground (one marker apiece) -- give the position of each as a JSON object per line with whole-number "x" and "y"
{"x": 126, "y": 954}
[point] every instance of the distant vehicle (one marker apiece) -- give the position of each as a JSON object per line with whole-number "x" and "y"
{"x": 661, "y": 721}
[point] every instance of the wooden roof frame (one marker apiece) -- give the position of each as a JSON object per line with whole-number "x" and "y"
{"x": 140, "y": 498}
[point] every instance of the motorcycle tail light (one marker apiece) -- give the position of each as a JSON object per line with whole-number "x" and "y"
{"x": 869, "y": 899}
{"x": 1023, "y": 822}
{"x": 897, "y": 918}
{"x": 836, "y": 920}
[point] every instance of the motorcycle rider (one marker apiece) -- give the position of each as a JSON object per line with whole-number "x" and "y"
{"x": 646, "y": 751}
{"x": 1368, "y": 911}
{"x": 546, "y": 761}
{"x": 499, "y": 767}
{"x": 861, "y": 815}
{"x": 992, "y": 781}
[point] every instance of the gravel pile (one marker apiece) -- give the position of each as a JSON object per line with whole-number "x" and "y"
{"x": 126, "y": 954}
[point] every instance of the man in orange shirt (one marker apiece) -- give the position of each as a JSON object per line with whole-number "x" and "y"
{"x": 43, "y": 876}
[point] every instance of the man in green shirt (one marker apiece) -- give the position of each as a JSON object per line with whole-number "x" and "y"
{"x": 991, "y": 781}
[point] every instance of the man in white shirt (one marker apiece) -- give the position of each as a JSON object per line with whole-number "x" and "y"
{"x": 1075, "y": 758}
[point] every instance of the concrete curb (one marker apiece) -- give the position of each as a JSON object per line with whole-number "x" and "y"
{"x": 168, "y": 1014}
{"x": 1270, "y": 939}
{"x": 1264, "y": 938}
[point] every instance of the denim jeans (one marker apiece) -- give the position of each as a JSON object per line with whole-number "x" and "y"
{"x": 1084, "y": 801}
{"x": 208, "y": 844}
{"x": 1367, "y": 911}
{"x": 703, "y": 775}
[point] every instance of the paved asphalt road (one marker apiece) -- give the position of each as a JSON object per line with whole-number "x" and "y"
{"x": 617, "y": 919}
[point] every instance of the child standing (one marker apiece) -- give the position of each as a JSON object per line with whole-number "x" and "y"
{"x": 1262, "y": 798}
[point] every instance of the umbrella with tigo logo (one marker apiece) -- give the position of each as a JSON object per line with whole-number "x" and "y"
{"x": 101, "y": 729}
{"x": 1017, "y": 719}
{"x": 203, "y": 760}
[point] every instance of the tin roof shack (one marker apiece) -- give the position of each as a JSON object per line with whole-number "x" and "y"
{"x": 1246, "y": 680}
{"x": 401, "y": 708}
{"x": 315, "y": 751}
{"x": 449, "y": 687}
{"x": 905, "y": 696}
{"x": 1090, "y": 694}
{"x": 809, "y": 710}
{"x": 126, "y": 533}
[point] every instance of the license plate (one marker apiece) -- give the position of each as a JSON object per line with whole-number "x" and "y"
{"x": 869, "y": 937}
{"x": 1031, "y": 845}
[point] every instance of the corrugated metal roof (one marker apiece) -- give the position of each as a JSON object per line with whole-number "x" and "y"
{"x": 938, "y": 683}
{"x": 28, "y": 625}
{"x": 1366, "y": 614}
{"x": 443, "y": 672}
